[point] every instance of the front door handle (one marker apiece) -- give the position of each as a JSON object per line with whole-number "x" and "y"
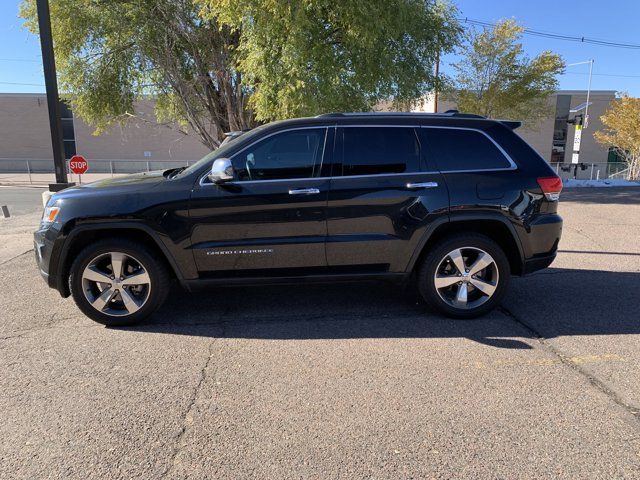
{"x": 422, "y": 185}
{"x": 304, "y": 191}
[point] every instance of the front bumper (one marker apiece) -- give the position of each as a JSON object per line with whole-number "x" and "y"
{"x": 44, "y": 248}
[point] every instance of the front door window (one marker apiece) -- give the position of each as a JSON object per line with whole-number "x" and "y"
{"x": 292, "y": 154}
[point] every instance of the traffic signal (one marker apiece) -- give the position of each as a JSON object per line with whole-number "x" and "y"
{"x": 577, "y": 120}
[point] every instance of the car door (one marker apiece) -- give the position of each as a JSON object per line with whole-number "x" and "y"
{"x": 271, "y": 219}
{"x": 382, "y": 198}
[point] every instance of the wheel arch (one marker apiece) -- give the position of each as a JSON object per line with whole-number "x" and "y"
{"x": 83, "y": 235}
{"x": 496, "y": 228}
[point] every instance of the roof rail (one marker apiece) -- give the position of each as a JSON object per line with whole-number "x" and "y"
{"x": 448, "y": 113}
{"x": 512, "y": 124}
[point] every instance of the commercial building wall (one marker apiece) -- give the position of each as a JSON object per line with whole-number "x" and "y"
{"x": 540, "y": 137}
{"x": 25, "y": 136}
{"x": 143, "y": 144}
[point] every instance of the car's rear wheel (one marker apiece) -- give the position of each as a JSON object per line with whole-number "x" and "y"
{"x": 464, "y": 276}
{"x": 117, "y": 282}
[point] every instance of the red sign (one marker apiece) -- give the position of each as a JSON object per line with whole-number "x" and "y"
{"x": 78, "y": 164}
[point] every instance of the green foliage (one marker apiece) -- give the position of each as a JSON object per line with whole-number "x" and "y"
{"x": 312, "y": 56}
{"x": 219, "y": 65}
{"x": 110, "y": 53}
{"x": 497, "y": 80}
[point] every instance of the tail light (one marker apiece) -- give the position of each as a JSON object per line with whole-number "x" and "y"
{"x": 551, "y": 187}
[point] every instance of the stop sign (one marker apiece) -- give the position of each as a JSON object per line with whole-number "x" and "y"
{"x": 78, "y": 164}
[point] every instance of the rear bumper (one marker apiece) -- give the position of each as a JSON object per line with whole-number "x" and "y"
{"x": 543, "y": 239}
{"x": 538, "y": 263}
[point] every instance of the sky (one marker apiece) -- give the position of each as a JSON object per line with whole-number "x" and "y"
{"x": 611, "y": 20}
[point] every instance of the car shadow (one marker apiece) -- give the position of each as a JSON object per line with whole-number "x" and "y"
{"x": 551, "y": 303}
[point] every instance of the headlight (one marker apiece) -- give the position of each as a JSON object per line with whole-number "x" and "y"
{"x": 49, "y": 216}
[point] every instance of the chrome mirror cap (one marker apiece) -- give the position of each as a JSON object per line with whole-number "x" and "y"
{"x": 221, "y": 171}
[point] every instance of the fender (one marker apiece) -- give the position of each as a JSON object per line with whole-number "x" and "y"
{"x": 75, "y": 231}
{"x": 465, "y": 217}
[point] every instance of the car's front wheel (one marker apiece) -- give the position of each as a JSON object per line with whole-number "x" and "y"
{"x": 464, "y": 276}
{"x": 117, "y": 282}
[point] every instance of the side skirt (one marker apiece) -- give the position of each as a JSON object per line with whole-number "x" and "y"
{"x": 206, "y": 283}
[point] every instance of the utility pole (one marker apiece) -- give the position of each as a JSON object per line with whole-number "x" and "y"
{"x": 53, "y": 102}
{"x": 435, "y": 95}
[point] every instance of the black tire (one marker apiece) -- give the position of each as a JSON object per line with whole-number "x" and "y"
{"x": 159, "y": 284}
{"x": 439, "y": 253}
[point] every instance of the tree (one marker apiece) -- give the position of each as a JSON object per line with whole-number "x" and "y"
{"x": 219, "y": 65}
{"x": 496, "y": 79}
{"x": 622, "y": 132}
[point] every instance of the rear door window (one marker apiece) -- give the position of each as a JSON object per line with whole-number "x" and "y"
{"x": 451, "y": 149}
{"x": 379, "y": 150}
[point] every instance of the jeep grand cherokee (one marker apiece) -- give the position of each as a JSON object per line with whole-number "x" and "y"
{"x": 456, "y": 202}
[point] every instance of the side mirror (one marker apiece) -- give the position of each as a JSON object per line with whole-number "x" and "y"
{"x": 221, "y": 171}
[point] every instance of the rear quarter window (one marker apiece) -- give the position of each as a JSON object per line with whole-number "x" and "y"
{"x": 450, "y": 149}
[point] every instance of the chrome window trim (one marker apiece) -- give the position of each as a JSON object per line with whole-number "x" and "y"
{"x": 512, "y": 164}
{"x": 273, "y": 180}
{"x": 371, "y": 175}
{"x": 378, "y": 175}
{"x": 314, "y": 127}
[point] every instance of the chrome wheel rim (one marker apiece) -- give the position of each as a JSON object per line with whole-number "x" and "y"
{"x": 116, "y": 284}
{"x": 466, "y": 278}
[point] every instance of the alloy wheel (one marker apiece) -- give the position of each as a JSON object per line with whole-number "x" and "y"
{"x": 116, "y": 284}
{"x": 466, "y": 278}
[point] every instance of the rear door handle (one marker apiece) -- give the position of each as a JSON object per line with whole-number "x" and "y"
{"x": 422, "y": 185}
{"x": 304, "y": 191}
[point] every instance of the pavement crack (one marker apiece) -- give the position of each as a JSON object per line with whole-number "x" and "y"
{"x": 17, "y": 256}
{"x": 580, "y": 232}
{"x": 52, "y": 322}
{"x": 592, "y": 379}
{"x": 187, "y": 418}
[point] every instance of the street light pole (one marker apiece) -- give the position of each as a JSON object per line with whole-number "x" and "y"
{"x": 53, "y": 103}
{"x": 586, "y": 110}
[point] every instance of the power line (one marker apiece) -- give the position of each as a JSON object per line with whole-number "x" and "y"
{"x": 19, "y": 60}
{"x": 602, "y": 74}
{"x": 27, "y": 84}
{"x": 559, "y": 36}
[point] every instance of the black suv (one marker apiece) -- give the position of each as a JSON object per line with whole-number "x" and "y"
{"x": 455, "y": 201}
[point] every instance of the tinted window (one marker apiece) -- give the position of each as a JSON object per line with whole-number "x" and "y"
{"x": 293, "y": 154}
{"x": 377, "y": 150}
{"x": 452, "y": 149}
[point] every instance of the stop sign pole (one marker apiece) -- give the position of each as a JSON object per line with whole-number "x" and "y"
{"x": 53, "y": 103}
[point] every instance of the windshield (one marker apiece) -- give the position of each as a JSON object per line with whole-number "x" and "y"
{"x": 220, "y": 152}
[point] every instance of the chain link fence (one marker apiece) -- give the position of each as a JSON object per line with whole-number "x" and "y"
{"x": 592, "y": 171}
{"x": 36, "y": 166}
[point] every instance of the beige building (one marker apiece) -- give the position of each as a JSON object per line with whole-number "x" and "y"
{"x": 553, "y": 137}
{"x": 143, "y": 144}
{"x": 140, "y": 144}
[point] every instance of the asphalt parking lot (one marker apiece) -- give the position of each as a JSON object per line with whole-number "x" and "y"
{"x": 340, "y": 381}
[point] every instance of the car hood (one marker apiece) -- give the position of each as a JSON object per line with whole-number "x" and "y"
{"x": 123, "y": 184}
